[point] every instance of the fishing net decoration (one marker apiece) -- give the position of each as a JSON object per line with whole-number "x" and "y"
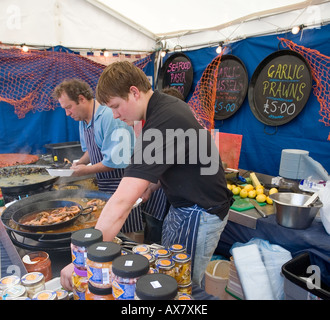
{"x": 320, "y": 68}
{"x": 27, "y": 79}
{"x": 203, "y": 99}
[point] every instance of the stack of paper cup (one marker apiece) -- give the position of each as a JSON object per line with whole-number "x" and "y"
{"x": 293, "y": 163}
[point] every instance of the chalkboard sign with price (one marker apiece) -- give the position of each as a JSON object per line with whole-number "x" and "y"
{"x": 231, "y": 88}
{"x": 177, "y": 72}
{"x": 280, "y": 87}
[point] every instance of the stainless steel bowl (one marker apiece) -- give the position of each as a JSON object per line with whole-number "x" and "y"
{"x": 291, "y": 212}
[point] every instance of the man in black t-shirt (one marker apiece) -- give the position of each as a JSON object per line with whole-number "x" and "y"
{"x": 173, "y": 151}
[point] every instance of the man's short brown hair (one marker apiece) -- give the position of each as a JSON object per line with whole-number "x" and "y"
{"x": 73, "y": 88}
{"x": 117, "y": 79}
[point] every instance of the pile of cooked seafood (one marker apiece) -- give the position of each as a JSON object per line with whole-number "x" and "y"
{"x": 53, "y": 216}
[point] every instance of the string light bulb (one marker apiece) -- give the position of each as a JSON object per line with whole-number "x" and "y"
{"x": 25, "y": 48}
{"x": 296, "y": 29}
{"x": 219, "y": 48}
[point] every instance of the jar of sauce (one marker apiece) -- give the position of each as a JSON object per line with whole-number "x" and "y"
{"x": 14, "y": 292}
{"x": 177, "y": 248}
{"x": 162, "y": 253}
{"x": 166, "y": 266}
{"x": 38, "y": 261}
{"x": 156, "y": 287}
{"x": 126, "y": 270}
{"x": 45, "y": 295}
{"x": 80, "y": 241}
{"x": 7, "y": 282}
{"x": 94, "y": 293}
{"x": 99, "y": 263}
{"x": 33, "y": 282}
{"x": 182, "y": 268}
{"x": 141, "y": 249}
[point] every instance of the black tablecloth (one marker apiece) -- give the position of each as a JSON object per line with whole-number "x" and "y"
{"x": 314, "y": 237}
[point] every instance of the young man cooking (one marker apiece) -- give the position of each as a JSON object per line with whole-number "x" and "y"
{"x": 193, "y": 181}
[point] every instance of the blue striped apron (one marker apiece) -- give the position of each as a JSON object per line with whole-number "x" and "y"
{"x": 181, "y": 226}
{"x": 156, "y": 206}
{"x": 108, "y": 181}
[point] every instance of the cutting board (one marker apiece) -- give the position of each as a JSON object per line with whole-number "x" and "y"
{"x": 243, "y": 204}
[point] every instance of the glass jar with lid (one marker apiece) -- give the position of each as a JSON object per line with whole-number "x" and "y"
{"x": 141, "y": 249}
{"x": 162, "y": 253}
{"x": 45, "y": 295}
{"x": 177, "y": 248}
{"x": 185, "y": 288}
{"x": 126, "y": 270}
{"x": 80, "y": 241}
{"x": 79, "y": 283}
{"x": 156, "y": 287}
{"x": 151, "y": 259}
{"x": 14, "y": 292}
{"x": 38, "y": 261}
{"x": 166, "y": 266}
{"x": 182, "y": 268}
{"x": 99, "y": 262}
{"x": 8, "y": 281}
{"x": 94, "y": 293}
{"x": 33, "y": 282}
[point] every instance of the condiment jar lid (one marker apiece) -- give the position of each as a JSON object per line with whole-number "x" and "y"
{"x": 160, "y": 253}
{"x": 103, "y": 251}
{"x": 9, "y": 281}
{"x": 14, "y": 292}
{"x": 99, "y": 291}
{"x": 130, "y": 266}
{"x": 62, "y": 294}
{"x": 177, "y": 248}
{"x": 141, "y": 249}
{"x": 181, "y": 257}
{"x": 156, "y": 286}
{"x": 32, "y": 278}
{"x": 45, "y": 295}
{"x": 164, "y": 263}
{"x": 86, "y": 237}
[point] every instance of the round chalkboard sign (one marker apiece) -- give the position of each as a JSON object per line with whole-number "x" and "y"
{"x": 231, "y": 88}
{"x": 177, "y": 72}
{"x": 280, "y": 87}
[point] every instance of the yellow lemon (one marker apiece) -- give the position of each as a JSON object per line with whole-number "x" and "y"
{"x": 273, "y": 190}
{"x": 252, "y": 194}
{"x": 236, "y": 190}
{"x": 249, "y": 187}
{"x": 261, "y": 197}
{"x": 259, "y": 190}
{"x": 269, "y": 200}
{"x": 229, "y": 186}
{"x": 243, "y": 193}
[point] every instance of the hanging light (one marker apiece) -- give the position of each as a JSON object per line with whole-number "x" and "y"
{"x": 296, "y": 29}
{"x": 25, "y": 48}
{"x": 219, "y": 48}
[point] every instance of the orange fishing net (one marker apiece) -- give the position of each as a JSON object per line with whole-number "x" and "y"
{"x": 320, "y": 68}
{"x": 203, "y": 99}
{"x": 27, "y": 79}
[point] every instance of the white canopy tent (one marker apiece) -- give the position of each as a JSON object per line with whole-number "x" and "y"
{"x": 147, "y": 25}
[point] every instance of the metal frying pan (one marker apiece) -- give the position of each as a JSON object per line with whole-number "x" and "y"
{"x": 23, "y": 182}
{"x": 28, "y": 212}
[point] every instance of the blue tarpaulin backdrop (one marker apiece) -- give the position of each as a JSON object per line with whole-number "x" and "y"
{"x": 261, "y": 147}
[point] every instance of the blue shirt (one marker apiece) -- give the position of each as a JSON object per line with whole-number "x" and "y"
{"x": 113, "y": 136}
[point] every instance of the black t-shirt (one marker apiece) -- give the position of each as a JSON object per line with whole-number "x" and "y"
{"x": 175, "y": 149}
